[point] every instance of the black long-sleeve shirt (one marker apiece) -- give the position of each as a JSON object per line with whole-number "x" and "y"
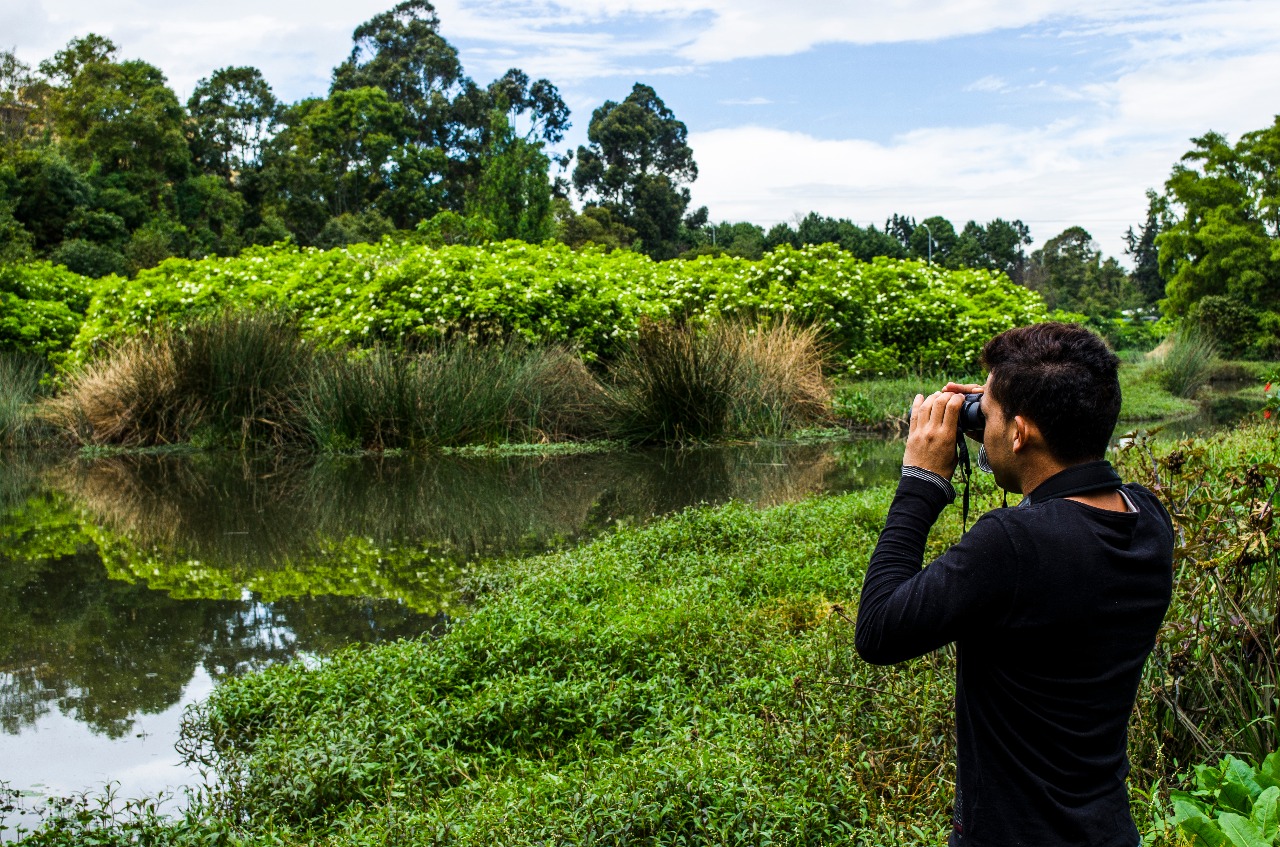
{"x": 1054, "y": 607}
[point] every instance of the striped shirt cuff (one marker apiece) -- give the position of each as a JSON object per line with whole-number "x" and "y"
{"x": 943, "y": 483}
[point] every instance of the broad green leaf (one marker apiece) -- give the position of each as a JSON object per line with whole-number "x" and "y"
{"x": 1238, "y": 785}
{"x": 1240, "y": 831}
{"x": 1266, "y": 813}
{"x": 1203, "y": 831}
{"x": 1269, "y": 773}
{"x": 1189, "y": 800}
{"x": 1208, "y": 778}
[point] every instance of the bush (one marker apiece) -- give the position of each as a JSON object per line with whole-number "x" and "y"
{"x": 1185, "y": 361}
{"x": 226, "y": 377}
{"x": 41, "y": 307}
{"x": 677, "y": 384}
{"x": 887, "y": 315}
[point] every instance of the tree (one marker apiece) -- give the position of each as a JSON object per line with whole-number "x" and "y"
{"x": 866, "y": 244}
{"x": 402, "y": 52}
{"x": 1224, "y": 204}
{"x": 1070, "y": 274}
{"x": 336, "y": 156}
{"x": 1141, "y": 246}
{"x": 943, "y": 236}
{"x": 998, "y": 246}
{"x": 900, "y": 228}
{"x": 233, "y": 114}
{"x": 515, "y": 189}
{"x": 122, "y": 122}
{"x": 636, "y": 164}
{"x": 536, "y": 104}
{"x": 16, "y": 82}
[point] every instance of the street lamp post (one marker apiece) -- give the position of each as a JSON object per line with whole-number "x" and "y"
{"x": 930, "y": 234}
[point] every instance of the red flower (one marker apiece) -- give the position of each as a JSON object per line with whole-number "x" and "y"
{"x": 1268, "y": 388}
{"x": 1267, "y": 414}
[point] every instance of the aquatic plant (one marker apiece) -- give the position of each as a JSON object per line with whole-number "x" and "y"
{"x": 20, "y": 377}
{"x": 226, "y": 377}
{"x": 687, "y": 383}
{"x": 1185, "y": 361}
{"x": 451, "y": 393}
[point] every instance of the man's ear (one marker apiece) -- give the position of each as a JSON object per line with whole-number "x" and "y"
{"x": 1025, "y": 432}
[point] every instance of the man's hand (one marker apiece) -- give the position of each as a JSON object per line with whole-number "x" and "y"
{"x": 966, "y": 388}
{"x": 931, "y": 440}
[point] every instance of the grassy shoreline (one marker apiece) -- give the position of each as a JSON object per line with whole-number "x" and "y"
{"x": 694, "y": 682}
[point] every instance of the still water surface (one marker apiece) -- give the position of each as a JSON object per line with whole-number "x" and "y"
{"x": 129, "y": 586}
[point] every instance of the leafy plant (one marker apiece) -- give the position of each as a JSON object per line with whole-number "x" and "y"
{"x": 886, "y": 315}
{"x": 1232, "y": 804}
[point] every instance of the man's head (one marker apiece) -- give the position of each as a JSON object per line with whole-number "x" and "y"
{"x": 1062, "y": 377}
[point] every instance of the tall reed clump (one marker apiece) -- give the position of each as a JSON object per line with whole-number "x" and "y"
{"x": 229, "y": 377}
{"x": 1185, "y": 362}
{"x": 19, "y": 389}
{"x": 450, "y": 394}
{"x": 676, "y": 384}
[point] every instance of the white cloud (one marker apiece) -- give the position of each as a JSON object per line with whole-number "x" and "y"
{"x": 748, "y": 101}
{"x": 990, "y": 83}
{"x": 1050, "y": 177}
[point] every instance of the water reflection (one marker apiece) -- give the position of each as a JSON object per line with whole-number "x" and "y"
{"x": 124, "y": 578}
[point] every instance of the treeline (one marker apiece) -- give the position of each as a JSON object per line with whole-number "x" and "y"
{"x": 104, "y": 171}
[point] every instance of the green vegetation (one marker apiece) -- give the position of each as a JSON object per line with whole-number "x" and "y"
{"x": 880, "y": 316}
{"x": 249, "y": 378}
{"x": 1218, "y": 250}
{"x": 1184, "y": 363}
{"x": 1233, "y": 803}
{"x": 694, "y": 681}
{"x": 732, "y": 380}
{"x": 20, "y": 378}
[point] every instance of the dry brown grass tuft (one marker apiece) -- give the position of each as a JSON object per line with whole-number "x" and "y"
{"x": 127, "y": 398}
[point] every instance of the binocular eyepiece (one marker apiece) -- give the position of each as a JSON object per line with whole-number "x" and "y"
{"x": 972, "y": 421}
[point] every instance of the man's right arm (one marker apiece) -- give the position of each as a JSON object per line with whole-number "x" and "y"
{"x": 905, "y": 611}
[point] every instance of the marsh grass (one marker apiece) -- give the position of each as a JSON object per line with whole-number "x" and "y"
{"x": 20, "y": 378}
{"x": 451, "y": 394}
{"x": 678, "y": 384}
{"x": 227, "y": 378}
{"x": 1185, "y": 362}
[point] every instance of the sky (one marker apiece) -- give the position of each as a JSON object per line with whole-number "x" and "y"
{"x": 1054, "y": 112}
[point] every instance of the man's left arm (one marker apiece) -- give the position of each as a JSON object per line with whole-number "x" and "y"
{"x": 905, "y": 612}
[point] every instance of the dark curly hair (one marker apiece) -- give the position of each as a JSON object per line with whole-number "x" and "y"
{"x": 1063, "y": 377}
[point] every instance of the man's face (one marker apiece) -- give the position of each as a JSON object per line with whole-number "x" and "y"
{"x": 997, "y": 438}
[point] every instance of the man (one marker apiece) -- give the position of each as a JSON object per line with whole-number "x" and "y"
{"x": 1053, "y": 605}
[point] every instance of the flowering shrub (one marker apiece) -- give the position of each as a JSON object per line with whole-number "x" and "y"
{"x": 884, "y": 316}
{"x": 41, "y": 307}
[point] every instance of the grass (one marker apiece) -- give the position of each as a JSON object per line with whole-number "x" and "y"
{"x": 694, "y": 682}
{"x": 684, "y": 384}
{"x": 453, "y": 394}
{"x": 244, "y": 379}
{"x": 20, "y": 378}
{"x": 1185, "y": 361}
{"x": 227, "y": 378}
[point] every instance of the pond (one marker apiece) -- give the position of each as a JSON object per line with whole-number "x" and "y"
{"x": 130, "y": 585}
